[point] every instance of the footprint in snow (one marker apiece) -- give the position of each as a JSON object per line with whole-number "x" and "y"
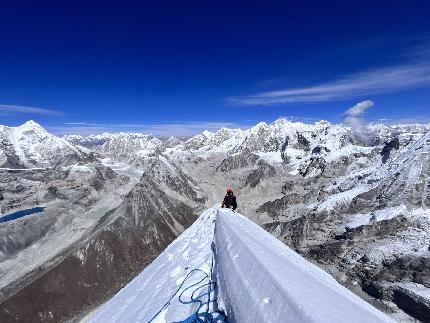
{"x": 186, "y": 255}
{"x": 175, "y": 272}
{"x": 267, "y": 300}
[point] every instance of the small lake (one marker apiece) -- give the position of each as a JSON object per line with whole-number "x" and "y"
{"x": 20, "y": 214}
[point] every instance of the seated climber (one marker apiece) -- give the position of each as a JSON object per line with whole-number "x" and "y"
{"x": 229, "y": 200}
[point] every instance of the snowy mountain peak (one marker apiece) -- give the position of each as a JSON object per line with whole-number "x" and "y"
{"x": 31, "y": 126}
{"x": 30, "y": 145}
{"x": 259, "y": 126}
{"x": 323, "y": 123}
{"x": 206, "y": 133}
{"x": 283, "y": 122}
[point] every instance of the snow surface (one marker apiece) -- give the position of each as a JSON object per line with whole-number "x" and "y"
{"x": 417, "y": 289}
{"x": 273, "y": 157}
{"x": 122, "y": 169}
{"x": 143, "y": 297}
{"x": 343, "y": 198}
{"x": 260, "y": 280}
{"x": 376, "y": 216}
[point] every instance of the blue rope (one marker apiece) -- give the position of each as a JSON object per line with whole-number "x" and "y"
{"x": 177, "y": 291}
{"x": 203, "y": 317}
{"x": 197, "y": 317}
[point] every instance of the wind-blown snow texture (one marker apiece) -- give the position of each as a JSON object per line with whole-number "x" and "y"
{"x": 261, "y": 280}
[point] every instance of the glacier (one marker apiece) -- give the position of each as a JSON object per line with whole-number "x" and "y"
{"x": 258, "y": 279}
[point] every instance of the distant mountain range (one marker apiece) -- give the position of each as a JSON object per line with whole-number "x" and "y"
{"x": 359, "y": 210}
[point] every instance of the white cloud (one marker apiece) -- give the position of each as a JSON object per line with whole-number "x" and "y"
{"x": 358, "y": 109}
{"x": 172, "y": 129}
{"x": 354, "y": 119}
{"x": 376, "y": 81}
{"x": 11, "y": 110}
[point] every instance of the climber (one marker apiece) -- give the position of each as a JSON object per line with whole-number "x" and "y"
{"x": 229, "y": 200}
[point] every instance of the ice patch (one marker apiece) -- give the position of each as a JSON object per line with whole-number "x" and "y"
{"x": 376, "y": 216}
{"x": 272, "y": 157}
{"x": 343, "y": 198}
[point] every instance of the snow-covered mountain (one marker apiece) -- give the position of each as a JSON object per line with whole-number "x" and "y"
{"x": 359, "y": 210}
{"x": 30, "y": 146}
{"x": 143, "y": 143}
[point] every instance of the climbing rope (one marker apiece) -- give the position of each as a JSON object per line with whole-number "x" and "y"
{"x": 198, "y": 317}
{"x": 204, "y": 316}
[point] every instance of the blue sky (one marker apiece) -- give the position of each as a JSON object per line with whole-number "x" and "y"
{"x": 178, "y": 67}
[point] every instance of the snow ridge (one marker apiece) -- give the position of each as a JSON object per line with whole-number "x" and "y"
{"x": 260, "y": 279}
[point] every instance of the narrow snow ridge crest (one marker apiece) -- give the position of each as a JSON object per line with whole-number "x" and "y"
{"x": 259, "y": 278}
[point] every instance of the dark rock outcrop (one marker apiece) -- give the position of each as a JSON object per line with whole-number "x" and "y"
{"x": 263, "y": 171}
{"x": 389, "y": 146}
{"x": 411, "y": 303}
{"x": 242, "y": 160}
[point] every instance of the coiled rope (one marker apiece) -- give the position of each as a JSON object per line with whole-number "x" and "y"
{"x": 198, "y": 317}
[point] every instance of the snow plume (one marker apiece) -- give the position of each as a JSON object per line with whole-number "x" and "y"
{"x": 355, "y": 121}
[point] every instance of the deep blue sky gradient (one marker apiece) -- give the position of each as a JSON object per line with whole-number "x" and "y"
{"x": 169, "y": 62}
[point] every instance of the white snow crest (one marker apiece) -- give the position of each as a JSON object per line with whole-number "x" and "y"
{"x": 260, "y": 280}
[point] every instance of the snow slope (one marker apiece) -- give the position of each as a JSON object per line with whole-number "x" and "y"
{"x": 260, "y": 280}
{"x": 143, "y": 297}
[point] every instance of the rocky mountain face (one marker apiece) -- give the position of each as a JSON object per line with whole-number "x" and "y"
{"x": 99, "y": 228}
{"x": 360, "y": 210}
{"x": 119, "y": 246}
